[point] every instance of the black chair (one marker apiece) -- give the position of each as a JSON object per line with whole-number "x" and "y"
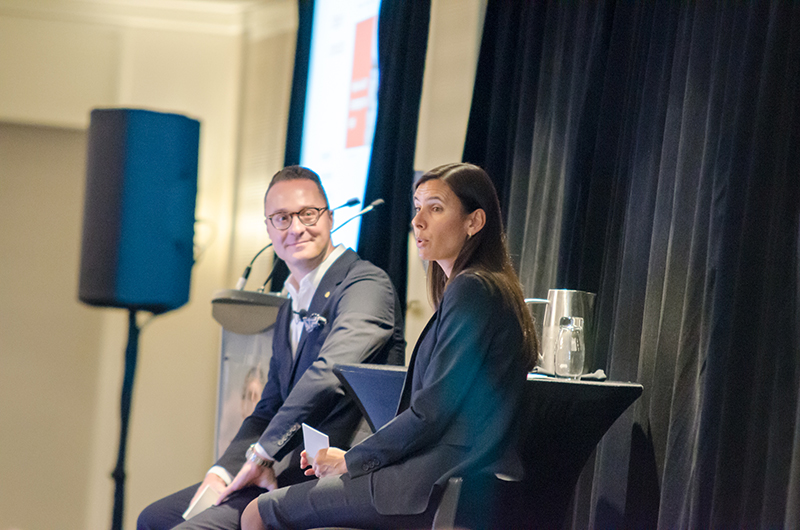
{"x": 563, "y": 422}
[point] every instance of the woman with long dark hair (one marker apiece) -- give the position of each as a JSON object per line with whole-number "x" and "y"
{"x": 457, "y": 412}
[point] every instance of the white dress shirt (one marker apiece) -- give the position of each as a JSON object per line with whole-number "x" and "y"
{"x": 303, "y": 292}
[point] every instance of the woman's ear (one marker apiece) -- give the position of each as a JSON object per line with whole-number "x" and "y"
{"x": 475, "y": 221}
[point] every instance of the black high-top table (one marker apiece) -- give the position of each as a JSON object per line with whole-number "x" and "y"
{"x": 563, "y": 421}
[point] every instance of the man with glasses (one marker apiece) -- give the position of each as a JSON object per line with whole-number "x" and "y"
{"x": 342, "y": 310}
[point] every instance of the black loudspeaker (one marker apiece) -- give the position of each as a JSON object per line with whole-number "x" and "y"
{"x": 138, "y": 223}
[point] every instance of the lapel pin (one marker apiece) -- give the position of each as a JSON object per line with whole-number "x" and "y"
{"x": 327, "y": 294}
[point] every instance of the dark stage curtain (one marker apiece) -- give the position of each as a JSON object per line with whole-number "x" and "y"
{"x": 297, "y": 102}
{"x": 402, "y": 42}
{"x": 650, "y": 152}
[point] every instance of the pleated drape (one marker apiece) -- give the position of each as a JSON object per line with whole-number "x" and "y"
{"x": 650, "y": 154}
{"x": 402, "y": 43}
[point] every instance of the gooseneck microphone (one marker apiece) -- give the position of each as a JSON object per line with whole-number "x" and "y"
{"x": 246, "y": 274}
{"x": 350, "y": 202}
{"x": 372, "y": 206}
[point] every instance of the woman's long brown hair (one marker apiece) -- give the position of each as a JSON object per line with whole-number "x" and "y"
{"x": 485, "y": 253}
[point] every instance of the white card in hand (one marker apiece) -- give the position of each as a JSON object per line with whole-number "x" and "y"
{"x": 204, "y": 500}
{"x": 314, "y": 441}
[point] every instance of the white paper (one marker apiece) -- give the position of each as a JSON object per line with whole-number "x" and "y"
{"x": 314, "y": 441}
{"x": 204, "y": 500}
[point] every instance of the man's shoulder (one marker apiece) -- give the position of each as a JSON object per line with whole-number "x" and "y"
{"x": 352, "y": 268}
{"x": 365, "y": 271}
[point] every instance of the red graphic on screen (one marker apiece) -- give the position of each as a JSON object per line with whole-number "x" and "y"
{"x": 359, "y": 84}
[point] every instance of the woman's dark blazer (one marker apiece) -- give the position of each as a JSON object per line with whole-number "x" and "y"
{"x": 457, "y": 415}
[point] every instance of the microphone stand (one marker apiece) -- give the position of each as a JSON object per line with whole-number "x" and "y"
{"x": 271, "y": 274}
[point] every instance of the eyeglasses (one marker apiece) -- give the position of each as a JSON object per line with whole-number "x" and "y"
{"x": 308, "y": 216}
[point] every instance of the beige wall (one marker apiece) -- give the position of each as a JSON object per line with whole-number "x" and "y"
{"x": 228, "y": 64}
{"x": 49, "y": 347}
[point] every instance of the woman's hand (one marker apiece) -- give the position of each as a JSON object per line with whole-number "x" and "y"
{"x": 328, "y": 462}
{"x": 250, "y": 475}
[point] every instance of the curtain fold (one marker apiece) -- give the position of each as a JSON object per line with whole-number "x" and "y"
{"x": 651, "y": 156}
{"x": 402, "y": 43}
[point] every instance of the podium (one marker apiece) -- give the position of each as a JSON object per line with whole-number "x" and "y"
{"x": 247, "y": 319}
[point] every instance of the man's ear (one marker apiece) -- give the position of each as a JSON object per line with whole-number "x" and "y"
{"x": 476, "y": 221}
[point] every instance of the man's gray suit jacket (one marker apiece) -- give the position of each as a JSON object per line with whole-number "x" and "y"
{"x": 363, "y": 324}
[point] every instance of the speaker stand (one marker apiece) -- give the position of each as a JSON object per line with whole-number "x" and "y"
{"x": 125, "y": 409}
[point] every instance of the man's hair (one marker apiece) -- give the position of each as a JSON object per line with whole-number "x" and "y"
{"x": 297, "y": 173}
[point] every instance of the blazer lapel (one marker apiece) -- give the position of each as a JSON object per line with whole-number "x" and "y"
{"x": 283, "y": 324}
{"x": 408, "y": 383}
